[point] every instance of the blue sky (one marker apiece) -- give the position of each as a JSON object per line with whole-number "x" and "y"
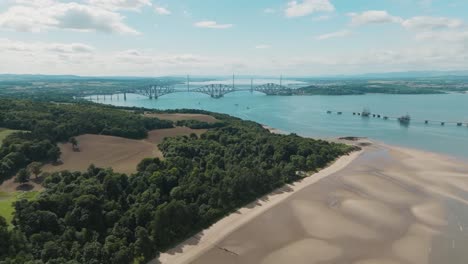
{"x": 302, "y": 37}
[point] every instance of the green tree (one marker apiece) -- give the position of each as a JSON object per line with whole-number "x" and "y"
{"x": 4, "y": 237}
{"x": 35, "y": 168}
{"x": 22, "y": 176}
{"x": 74, "y": 143}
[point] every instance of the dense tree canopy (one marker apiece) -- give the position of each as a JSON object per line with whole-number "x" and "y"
{"x": 104, "y": 217}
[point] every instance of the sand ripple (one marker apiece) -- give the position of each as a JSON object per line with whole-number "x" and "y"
{"x": 373, "y": 212}
{"x": 321, "y": 221}
{"x": 307, "y": 251}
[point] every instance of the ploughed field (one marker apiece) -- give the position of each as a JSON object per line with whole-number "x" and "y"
{"x": 120, "y": 154}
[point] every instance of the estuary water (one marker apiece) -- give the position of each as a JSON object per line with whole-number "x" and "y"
{"x": 307, "y": 115}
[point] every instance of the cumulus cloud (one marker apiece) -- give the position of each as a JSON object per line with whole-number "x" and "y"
{"x": 373, "y": 17}
{"x": 414, "y": 23}
{"x": 120, "y": 4}
{"x": 212, "y": 24}
{"x": 162, "y": 10}
{"x": 430, "y": 23}
{"x": 338, "y": 34}
{"x": 69, "y": 16}
{"x": 307, "y": 7}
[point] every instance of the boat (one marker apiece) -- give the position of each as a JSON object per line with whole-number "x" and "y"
{"x": 404, "y": 119}
{"x": 366, "y": 112}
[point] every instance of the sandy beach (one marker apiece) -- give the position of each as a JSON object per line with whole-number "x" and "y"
{"x": 383, "y": 205}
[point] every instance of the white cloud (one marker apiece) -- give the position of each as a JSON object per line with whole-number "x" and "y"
{"x": 162, "y": 10}
{"x": 430, "y": 23}
{"x": 269, "y": 11}
{"x": 70, "y": 16}
{"x": 457, "y": 37}
{"x": 212, "y": 24}
{"x": 338, "y": 34}
{"x": 120, "y": 4}
{"x": 306, "y": 7}
{"x": 43, "y": 48}
{"x": 373, "y": 17}
{"x": 82, "y": 59}
{"x": 70, "y": 48}
{"x": 262, "y": 46}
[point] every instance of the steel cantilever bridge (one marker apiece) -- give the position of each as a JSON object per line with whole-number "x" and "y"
{"x": 213, "y": 90}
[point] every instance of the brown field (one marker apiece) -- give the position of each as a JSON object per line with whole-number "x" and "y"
{"x": 178, "y": 117}
{"x": 121, "y": 154}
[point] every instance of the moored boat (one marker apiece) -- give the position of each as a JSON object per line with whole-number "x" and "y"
{"x": 404, "y": 119}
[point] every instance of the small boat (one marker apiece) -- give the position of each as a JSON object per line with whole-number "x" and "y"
{"x": 366, "y": 112}
{"x": 339, "y": 113}
{"x": 329, "y": 112}
{"x": 404, "y": 119}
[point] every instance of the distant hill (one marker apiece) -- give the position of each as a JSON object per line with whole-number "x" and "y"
{"x": 414, "y": 74}
{"x": 383, "y": 75}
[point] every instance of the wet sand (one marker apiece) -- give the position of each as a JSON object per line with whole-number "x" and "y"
{"x": 389, "y": 205}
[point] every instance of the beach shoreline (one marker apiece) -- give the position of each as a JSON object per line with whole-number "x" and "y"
{"x": 397, "y": 189}
{"x": 200, "y": 243}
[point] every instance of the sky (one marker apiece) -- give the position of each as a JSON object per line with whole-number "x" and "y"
{"x": 221, "y": 37}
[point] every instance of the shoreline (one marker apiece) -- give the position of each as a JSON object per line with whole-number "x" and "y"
{"x": 390, "y": 205}
{"x": 205, "y": 240}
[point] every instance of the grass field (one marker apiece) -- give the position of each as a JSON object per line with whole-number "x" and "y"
{"x": 7, "y": 200}
{"x": 5, "y": 133}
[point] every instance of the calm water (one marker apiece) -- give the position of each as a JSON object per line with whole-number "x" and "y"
{"x": 306, "y": 115}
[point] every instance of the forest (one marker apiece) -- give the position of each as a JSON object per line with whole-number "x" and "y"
{"x": 100, "y": 216}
